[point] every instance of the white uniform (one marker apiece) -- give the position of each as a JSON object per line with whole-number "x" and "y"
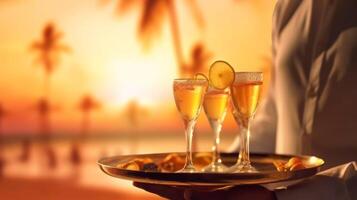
{"x": 311, "y": 106}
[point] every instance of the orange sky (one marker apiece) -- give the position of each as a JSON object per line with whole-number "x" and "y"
{"x": 108, "y": 61}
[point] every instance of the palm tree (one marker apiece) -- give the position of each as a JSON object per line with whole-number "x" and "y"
{"x": 2, "y": 160}
{"x": 198, "y": 62}
{"x": 43, "y": 108}
{"x": 134, "y": 111}
{"x": 2, "y": 115}
{"x": 86, "y": 105}
{"x": 49, "y": 49}
{"x": 153, "y": 13}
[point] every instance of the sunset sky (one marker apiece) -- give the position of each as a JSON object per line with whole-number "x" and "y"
{"x": 108, "y": 61}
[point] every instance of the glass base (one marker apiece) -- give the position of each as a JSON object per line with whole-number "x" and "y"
{"x": 242, "y": 168}
{"x": 215, "y": 168}
{"x": 187, "y": 169}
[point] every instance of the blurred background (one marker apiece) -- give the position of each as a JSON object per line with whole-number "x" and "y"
{"x": 84, "y": 79}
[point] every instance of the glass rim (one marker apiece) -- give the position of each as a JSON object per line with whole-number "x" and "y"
{"x": 189, "y": 79}
{"x": 254, "y": 72}
{"x": 211, "y": 88}
{"x": 248, "y": 77}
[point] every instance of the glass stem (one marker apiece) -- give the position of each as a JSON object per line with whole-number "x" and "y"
{"x": 215, "y": 151}
{"x": 189, "y": 136}
{"x": 243, "y": 158}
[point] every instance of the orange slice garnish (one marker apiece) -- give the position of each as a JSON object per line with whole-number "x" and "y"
{"x": 221, "y": 75}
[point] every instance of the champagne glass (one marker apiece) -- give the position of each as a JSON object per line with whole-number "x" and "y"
{"x": 245, "y": 93}
{"x": 215, "y": 106}
{"x": 188, "y": 95}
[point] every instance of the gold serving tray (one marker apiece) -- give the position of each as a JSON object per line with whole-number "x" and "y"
{"x": 267, "y": 172}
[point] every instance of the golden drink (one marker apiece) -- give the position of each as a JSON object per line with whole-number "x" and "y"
{"x": 188, "y": 99}
{"x": 215, "y": 105}
{"x": 245, "y": 97}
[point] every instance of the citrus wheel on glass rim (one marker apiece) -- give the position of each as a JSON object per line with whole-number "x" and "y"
{"x": 221, "y": 75}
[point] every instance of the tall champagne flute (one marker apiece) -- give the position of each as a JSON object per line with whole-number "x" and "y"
{"x": 245, "y": 93}
{"x": 215, "y": 106}
{"x": 188, "y": 95}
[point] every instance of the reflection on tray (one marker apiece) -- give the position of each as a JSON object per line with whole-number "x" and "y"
{"x": 171, "y": 163}
{"x": 174, "y": 162}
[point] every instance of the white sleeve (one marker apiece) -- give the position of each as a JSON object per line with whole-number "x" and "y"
{"x": 338, "y": 183}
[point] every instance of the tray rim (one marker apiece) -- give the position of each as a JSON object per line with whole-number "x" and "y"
{"x": 168, "y": 178}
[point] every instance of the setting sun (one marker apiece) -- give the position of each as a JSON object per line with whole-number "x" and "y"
{"x": 141, "y": 79}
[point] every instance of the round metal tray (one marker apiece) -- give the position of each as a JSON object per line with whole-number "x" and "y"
{"x": 267, "y": 172}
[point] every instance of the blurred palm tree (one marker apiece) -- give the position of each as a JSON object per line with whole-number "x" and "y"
{"x": 2, "y": 160}
{"x": 2, "y": 115}
{"x": 198, "y": 62}
{"x": 134, "y": 112}
{"x": 48, "y": 49}
{"x": 87, "y": 104}
{"x": 153, "y": 15}
{"x": 43, "y": 108}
